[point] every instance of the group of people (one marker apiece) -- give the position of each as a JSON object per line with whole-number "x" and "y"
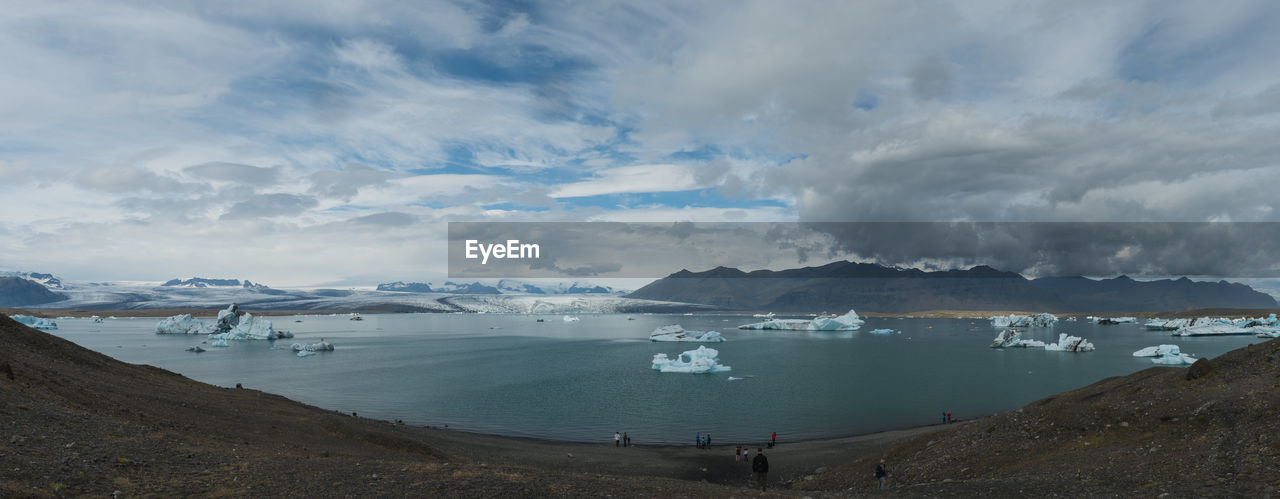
{"x": 703, "y": 440}
{"x": 621, "y": 440}
{"x": 946, "y": 417}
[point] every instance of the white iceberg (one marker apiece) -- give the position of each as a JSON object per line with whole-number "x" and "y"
{"x": 1213, "y": 329}
{"x": 884, "y": 331}
{"x": 183, "y": 324}
{"x": 1067, "y": 343}
{"x": 674, "y": 332}
{"x": 321, "y": 346}
{"x": 305, "y": 353}
{"x": 35, "y": 322}
{"x": 1015, "y": 320}
{"x": 1176, "y": 359}
{"x": 570, "y": 318}
{"x": 1157, "y": 351}
{"x": 1167, "y": 324}
{"x": 1267, "y": 331}
{"x": 701, "y": 361}
{"x": 1013, "y": 339}
{"x": 219, "y": 343}
{"x": 846, "y": 322}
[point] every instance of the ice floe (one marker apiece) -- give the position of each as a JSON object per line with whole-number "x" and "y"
{"x": 570, "y": 318}
{"x": 195, "y": 348}
{"x": 1012, "y": 338}
{"x": 846, "y": 322}
{"x": 1068, "y": 343}
{"x": 1169, "y": 355}
{"x": 701, "y": 361}
{"x": 884, "y": 331}
{"x": 1015, "y": 320}
{"x": 1214, "y": 329}
{"x": 321, "y": 346}
{"x": 675, "y": 332}
{"x": 1157, "y": 351}
{"x": 35, "y": 322}
{"x": 230, "y": 325}
{"x": 183, "y": 324}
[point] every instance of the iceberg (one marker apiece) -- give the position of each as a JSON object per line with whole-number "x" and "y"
{"x": 1157, "y": 351}
{"x": 884, "y": 331}
{"x": 1167, "y": 325}
{"x": 183, "y": 324}
{"x": 570, "y": 318}
{"x": 1267, "y": 331}
{"x": 305, "y": 353}
{"x": 219, "y": 343}
{"x": 1213, "y": 329}
{"x": 1013, "y": 339}
{"x": 846, "y": 322}
{"x": 35, "y": 322}
{"x": 195, "y": 348}
{"x": 674, "y": 332}
{"x": 1067, "y": 343}
{"x": 321, "y": 346}
{"x": 701, "y": 361}
{"x": 248, "y": 327}
{"x": 1176, "y": 359}
{"x": 1015, "y": 320}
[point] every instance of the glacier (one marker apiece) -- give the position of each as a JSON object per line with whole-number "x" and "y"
{"x": 1015, "y": 320}
{"x": 35, "y": 322}
{"x": 1068, "y": 343}
{"x": 701, "y": 361}
{"x": 675, "y": 332}
{"x": 846, "y": 322}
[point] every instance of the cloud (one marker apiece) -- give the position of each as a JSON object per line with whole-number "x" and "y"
{"x": 268, "y": 205}
{"x": 639, "y": 178}
{"x": 234, "y": 172}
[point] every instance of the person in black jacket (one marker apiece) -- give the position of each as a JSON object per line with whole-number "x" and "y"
{"x": 760, "y": 466}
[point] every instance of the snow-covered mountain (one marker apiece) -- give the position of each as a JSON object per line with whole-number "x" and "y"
{"x": 200, "y": 282}
{"x": 505, "y": 286}
{"x": 47, "y": 280}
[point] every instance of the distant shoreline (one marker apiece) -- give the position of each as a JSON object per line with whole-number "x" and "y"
{"x": 926, "y": 314}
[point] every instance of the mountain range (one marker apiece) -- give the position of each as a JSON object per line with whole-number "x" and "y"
{"x": 841, "y": 285}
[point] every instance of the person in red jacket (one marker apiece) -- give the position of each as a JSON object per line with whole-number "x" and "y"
{"x": 773, "y": 439}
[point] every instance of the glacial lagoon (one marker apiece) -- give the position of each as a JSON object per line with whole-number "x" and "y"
{"x": 584, "y": 380}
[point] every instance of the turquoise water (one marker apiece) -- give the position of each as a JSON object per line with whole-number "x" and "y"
{"x": 582, "y": 381}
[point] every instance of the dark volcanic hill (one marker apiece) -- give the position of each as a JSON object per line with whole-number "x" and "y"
{"x": 1207, "y": 430}
{"x": 842, "y": 285}
{"x": 18, "y": 292}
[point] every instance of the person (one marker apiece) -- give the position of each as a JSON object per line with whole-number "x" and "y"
{"x": 882, "y": 474}
{"x": 617, "y": 439}
{"x": 760, "y": 466}
{"x": 708, "y": 440}
{"x": 698, "y": 440}
{"x": 626, "y": 439}
{"x": 944, "y": 417}
{"x": 949, "y": 420}
{"x": 737, "y": 453}
{"x": 773, "y": 439}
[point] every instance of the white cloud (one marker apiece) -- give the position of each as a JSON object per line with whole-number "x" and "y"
{"x": 624, "y": 179}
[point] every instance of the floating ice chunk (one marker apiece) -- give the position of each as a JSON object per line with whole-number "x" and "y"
{"x": 321, "y": 346}
{"x": 1174, "y": 359}
{"x": 1015, "y": 320}
{"x": 1157, "y": 351}
{"x": 183, "y": 324}
{"x": 1013, "y": 339}
{"x": 701, "y": 361}
{"x": 674, "y": 332}
{"x": 1213, "y": 329}
{"x": 1067, "y": 343}
{"x": 305, "y": 353}
{"x": 1267, "y": 331}
{"x": 846, "y": 322}
{"x": 570, "y": 318}
{"x": 1167, "y": 324}
{"x": 219, "y": 343}
{"x": 884, "y": 331}
{"x": 35, "y": 322}
{"x": 195, "y": 348}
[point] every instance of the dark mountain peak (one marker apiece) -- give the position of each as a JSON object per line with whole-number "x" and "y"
{"x": 17, "y": 292}
{"x": 723, "y": 271}
{"x": 1124, "y": 278}
{"x": 1182, "y": 279}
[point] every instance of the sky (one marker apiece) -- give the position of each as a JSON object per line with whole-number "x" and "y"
{"x": 329, "y": 143}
